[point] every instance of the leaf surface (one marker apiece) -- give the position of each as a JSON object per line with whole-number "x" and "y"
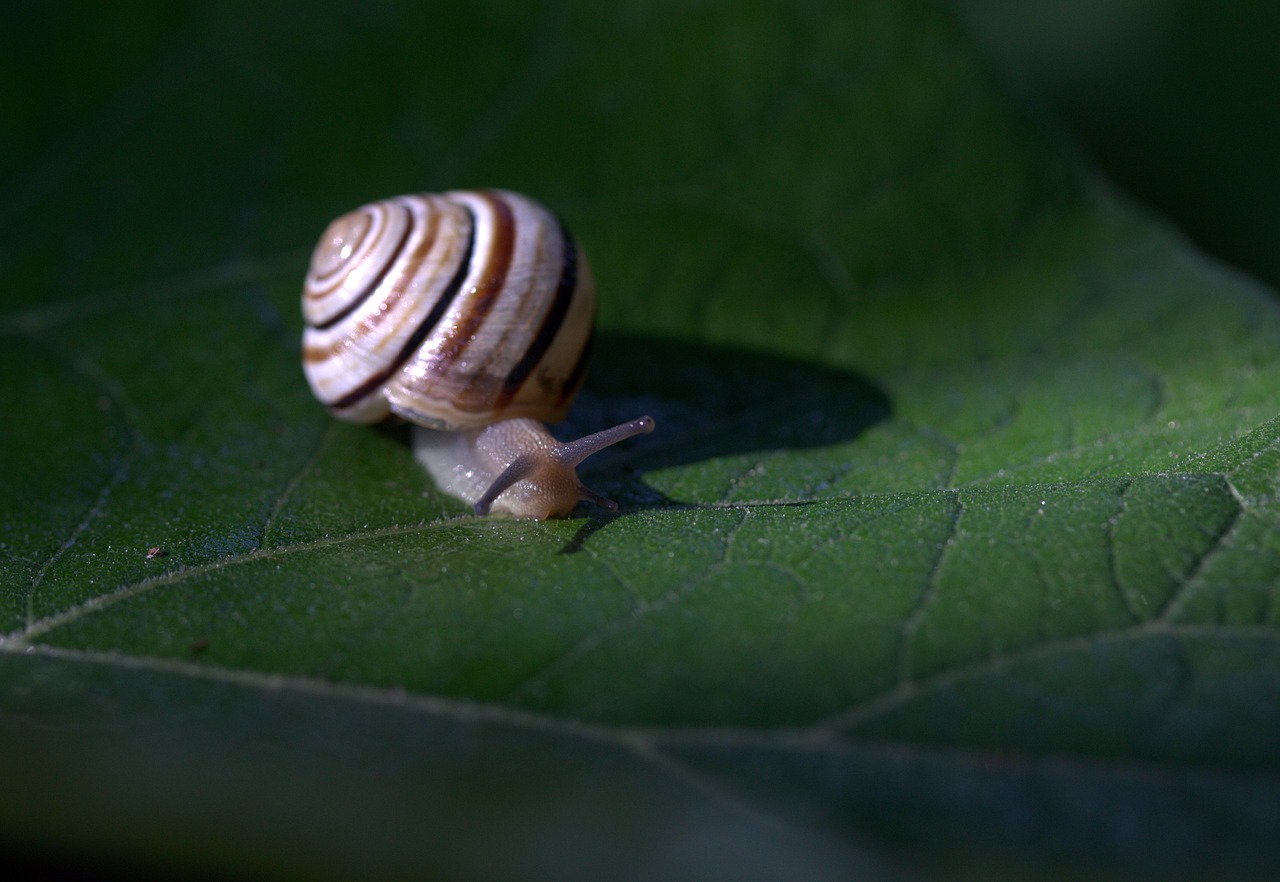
{"x": 955, "y": 549}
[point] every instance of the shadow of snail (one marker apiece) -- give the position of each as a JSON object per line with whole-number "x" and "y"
{"x": 709, "y": 402}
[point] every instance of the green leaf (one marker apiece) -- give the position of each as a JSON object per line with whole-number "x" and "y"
{"x": 955, "y": 551}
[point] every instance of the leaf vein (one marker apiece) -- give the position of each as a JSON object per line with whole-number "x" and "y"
{"x": 1186, "y": 581}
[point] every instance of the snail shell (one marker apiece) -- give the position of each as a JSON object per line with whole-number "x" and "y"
{"x": 469, "y": 314}
{"x": 450, "y": 311}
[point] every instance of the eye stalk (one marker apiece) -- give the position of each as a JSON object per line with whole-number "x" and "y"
{"x": 550, "y": 471}
{"x": 516, "y": 467}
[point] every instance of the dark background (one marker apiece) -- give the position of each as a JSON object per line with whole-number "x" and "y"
{"x": 1177, "y": 102}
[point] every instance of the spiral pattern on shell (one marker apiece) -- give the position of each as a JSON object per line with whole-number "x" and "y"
{"x": 450, "y": 310}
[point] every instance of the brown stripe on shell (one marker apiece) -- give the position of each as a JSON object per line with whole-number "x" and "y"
{"x": 407, "y": 269}
{"x": 392, "y": 259}
{"x": 489, "y": 284}
{"x": 551, "y": 322}
{"x": 428, "y": 324}
{"x": 367, "y": 216}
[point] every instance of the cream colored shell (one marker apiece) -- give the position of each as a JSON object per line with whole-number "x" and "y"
{"x": 451, "y": 310}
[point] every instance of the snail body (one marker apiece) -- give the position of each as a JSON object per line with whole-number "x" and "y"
{"x": 470, "y": 315}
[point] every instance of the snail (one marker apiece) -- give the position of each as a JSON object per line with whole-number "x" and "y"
{"x": 470, "y": 315}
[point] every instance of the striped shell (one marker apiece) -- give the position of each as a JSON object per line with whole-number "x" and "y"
{"x": 451, "y": 310}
